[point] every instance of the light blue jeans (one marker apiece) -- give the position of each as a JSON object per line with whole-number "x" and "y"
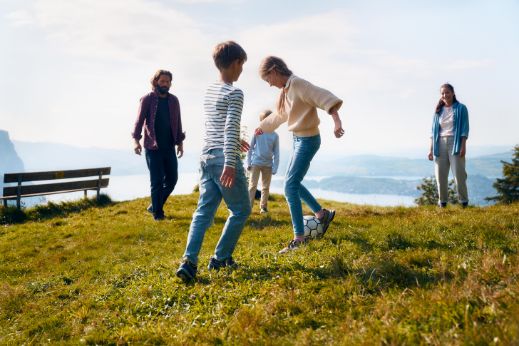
{"x": 304, "y": 149}
{"x": 211, "y": 193}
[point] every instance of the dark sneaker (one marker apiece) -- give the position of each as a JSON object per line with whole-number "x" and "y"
{"x": 464, "y": 204}
{"x": 187, "y": 271}
{"x": 150, "y": 209}
{"x": 158, "y": 217}
{"x": 293, "y": 245}
{"x": 215, "y": 264}
{"x": 327, "y": 219}
{"x": 263, "y": 211}
{"x": 442, "y": 205}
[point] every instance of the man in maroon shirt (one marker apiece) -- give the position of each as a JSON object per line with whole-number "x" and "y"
{"x": 159, "y": 114}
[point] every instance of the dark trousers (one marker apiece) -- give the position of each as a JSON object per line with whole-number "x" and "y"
{"x": 163, "y": 168}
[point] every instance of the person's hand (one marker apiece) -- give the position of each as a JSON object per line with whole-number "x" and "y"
{"x": 227, "y": 177}
{"x": 430, "y": 156}
{"x": 180, "y": 150}
{"x": 338, "y": 131}
{"x": 244, "y": 146}
{"x": 137, "y": 147}
{"x": 258, "y": 132}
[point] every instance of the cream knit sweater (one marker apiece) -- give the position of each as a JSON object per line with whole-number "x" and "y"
{"x": 302, "y": 98}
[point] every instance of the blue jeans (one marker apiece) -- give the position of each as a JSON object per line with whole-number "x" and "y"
{"x": 163, "y": 166}
{"x": 211, "y": 193}
{"x": 304, "y": 149}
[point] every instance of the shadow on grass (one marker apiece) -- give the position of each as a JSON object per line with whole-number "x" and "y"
{"x": 383, "y": 275}
{"x": 12, "y": 215}
{"x": 267, "y": 221}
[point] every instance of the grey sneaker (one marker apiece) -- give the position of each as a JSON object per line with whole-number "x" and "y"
{"x": 215, "y": 264}
{"x": 187, "y": 271}
{"x": 293, "y": 245}
{"x": 327, "y": 219}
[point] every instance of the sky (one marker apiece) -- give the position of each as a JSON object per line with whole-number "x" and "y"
{"x": 73, "y": 71}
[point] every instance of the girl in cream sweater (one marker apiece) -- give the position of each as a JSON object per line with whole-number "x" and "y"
{"x": 297, "y": 106}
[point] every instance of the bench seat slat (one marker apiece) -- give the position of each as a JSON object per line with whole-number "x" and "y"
{"x": 51, "y": 175}
{"x": 35, "y": 190}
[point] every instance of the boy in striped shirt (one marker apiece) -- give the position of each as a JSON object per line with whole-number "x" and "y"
{"x": 222, "y": 173}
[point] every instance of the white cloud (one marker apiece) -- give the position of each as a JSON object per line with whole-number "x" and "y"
{"x": 20, "y": 18}
{"x": 120, "y": 30}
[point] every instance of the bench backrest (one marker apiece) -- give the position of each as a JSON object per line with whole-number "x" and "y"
{"x": 42, "y": 189}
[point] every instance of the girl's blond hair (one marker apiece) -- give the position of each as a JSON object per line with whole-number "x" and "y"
{"x": 273, "y": 63}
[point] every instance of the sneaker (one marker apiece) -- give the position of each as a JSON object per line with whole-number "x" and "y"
{"x": 186, "y": 271}
{"x": 263, "y": 211}
{"x": 159, "y": 217}
{"x": 293, "y": 245}
{"x": 215, "y": 264}
{"x": 464, "y": 204}
{"x": 150, "y": 209}
{"x": 442, "y": 205}
{"x": 327, "y": 219}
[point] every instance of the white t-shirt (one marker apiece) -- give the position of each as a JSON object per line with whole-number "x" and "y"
{"x": 447, "y": 122}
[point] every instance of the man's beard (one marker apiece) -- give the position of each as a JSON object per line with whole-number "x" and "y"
{"x": 162, "y": 90}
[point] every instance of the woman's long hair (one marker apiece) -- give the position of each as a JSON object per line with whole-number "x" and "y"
{"x": 273, "y": 63}
{"x": 440, "y": 104}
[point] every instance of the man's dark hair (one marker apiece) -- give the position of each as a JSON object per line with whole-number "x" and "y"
{"x": 226, "y": 53}
{"x": 157, "y": 75}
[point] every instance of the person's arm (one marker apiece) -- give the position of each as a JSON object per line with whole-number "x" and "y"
{"x": 273, "y": 121}
{"x": 275, "y": 164}
{"x": 320, "y": 98}
{"x": 231, "y": 146}
{"x": 463, "y": 149}
{"x": 337, "y": 130}
{"x": 316, "y": 96}
{"x": 464, "y": 130}
{"x": 249, "y": 153}
{"x": 430, "y": 155}
{"x": 139, "y": 122}
{"x": 180, "y": 136}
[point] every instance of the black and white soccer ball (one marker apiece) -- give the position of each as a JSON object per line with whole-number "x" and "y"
{"x": 313, "y": 226}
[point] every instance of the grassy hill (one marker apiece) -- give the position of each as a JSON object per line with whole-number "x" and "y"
{"x": 105, "y": 275}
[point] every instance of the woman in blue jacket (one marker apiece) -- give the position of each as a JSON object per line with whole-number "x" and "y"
{"x": 450, "y": 130}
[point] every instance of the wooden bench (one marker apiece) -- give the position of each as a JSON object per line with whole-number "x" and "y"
{"x": 19, "y": 191}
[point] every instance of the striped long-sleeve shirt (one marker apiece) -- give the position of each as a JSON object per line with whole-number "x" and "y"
{"x": 223, "y": 105}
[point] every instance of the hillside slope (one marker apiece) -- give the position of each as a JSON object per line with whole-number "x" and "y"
{"x": 380, "y": 276}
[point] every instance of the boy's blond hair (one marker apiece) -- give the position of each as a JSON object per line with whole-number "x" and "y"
{"x": 265, "y": 114}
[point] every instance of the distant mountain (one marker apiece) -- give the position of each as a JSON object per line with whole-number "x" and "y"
{"x": 51, "y": 156}
{"x": 383, "y": 166}
{"x": 54, "y": 156}
{"x": 9, "y": 159}
{"x": 479, "y": 187}
{"x": 10, "y": 162}
{"x": 359, "y": 174}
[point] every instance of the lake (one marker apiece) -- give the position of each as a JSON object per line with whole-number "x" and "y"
{"x": 129, "y": 187}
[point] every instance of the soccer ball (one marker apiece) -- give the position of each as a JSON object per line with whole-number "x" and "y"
{"x": 313, "y": 226}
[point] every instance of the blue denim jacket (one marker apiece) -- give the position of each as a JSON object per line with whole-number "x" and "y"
{"x": 461, "y": 128}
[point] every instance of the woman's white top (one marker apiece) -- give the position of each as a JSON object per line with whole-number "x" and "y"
{"x": 447, "y": 122}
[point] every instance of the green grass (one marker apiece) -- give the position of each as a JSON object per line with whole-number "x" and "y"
{"x": 106, "y": 275}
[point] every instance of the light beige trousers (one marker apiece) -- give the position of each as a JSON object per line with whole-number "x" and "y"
{"x": 266, "y": 176}
{"x": 456, "y": 164}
